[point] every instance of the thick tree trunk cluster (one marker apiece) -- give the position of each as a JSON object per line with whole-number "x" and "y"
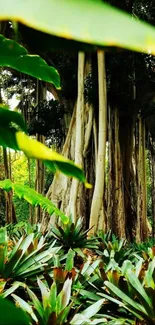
{"x": 112, "y": 152}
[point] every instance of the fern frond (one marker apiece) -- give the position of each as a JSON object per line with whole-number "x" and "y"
{"x": 34, "y": 198}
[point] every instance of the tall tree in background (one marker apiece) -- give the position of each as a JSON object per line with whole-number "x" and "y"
{"x": 110, "y": 148}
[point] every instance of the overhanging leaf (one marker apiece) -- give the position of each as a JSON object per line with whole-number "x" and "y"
{"x": 34, "y": 149}
{"x": 16, "y": 56}
{"x": 7, "y": 116}
{"x": 8, "y": 138}
{"x": 11, "y": 137}
{"x": 88, "y": 21}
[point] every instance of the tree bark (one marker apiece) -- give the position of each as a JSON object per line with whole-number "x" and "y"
{"x": 79, "y": 142}
{"x": 152, "y": 165}
{"x": 40, "y": 169}
{"x": 95, "y": 216}
{"x": 118, "y": 186}
{"x": 141, "y": 234}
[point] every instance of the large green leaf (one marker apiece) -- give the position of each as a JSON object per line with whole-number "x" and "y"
{"x": 88, "y": 21}
{"x": 11, "y": 315}
{"x": 34, "y": 198}
{"x": 7, "y": 116}
{"x": 34, "y": 149}
{"x": 12, "y": 137}
{"x": 16, "y": 56}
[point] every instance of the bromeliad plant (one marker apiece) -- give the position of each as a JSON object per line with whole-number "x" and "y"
{"x": 23, "y": 228}
{"x": 134, "y": 291}
{"x": 114, "y": 251}
{"x": 23, "y": 259}
{"x": 53, "y": 308}
{"x": 56, "y": 307}
{"x": 72, "y": 235}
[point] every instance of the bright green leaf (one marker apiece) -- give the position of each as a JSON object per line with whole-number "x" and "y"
{"x": 7, "y": 116}
{"x": 16, "y": 56}
{"x": 11, "y": 137}
{"x": 88, "y": 21}
{"x": 34, "y": 149}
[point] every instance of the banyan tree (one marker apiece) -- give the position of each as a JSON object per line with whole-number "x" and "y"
{"x": 107, "y": 105}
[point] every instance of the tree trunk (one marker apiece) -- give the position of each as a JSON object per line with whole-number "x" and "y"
{"x": 30, "y": 205}
{"x": 79, "y": 141}
{"x": 110, "y": 173}
{"x": 141, "y": 234}
{"x": 152, "y": 143}
{"x": 67, "y": 194}
{"x": 118, "y": 211}
{"x": 40, "y": 169}
{"x": 96, "y": 218}
{"x": 10, "y": 211}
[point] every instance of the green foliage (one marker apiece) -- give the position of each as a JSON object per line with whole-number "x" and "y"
{"x": 123, "y": 31}
{"x": 21, "y": 172}
{"x": 55, "y": 306}
{"x": 23, "y": 228}
{"x": 23, "y": 258}
{"x": 15, "y": 56}
{"x": 142, "y": 247}
{"x": 65, "y": 288}
{"x": 10, "y": 136}
{"x": 134, "y": 290}
{"x": 72, "y": 235}
{"x": 22, "y": 209}
{"x": 66, "y": 292}
{"x": 114, "y": 250}
{"x": 34, "y": 198}
{"x": 11, "y": 315}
